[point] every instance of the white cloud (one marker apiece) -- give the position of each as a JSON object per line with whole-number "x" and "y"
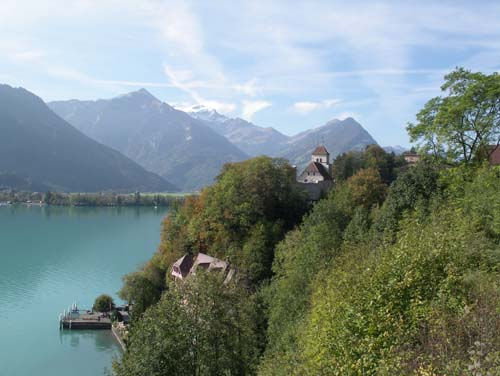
{"x": 26, "y": 56}
{"x": 358, "y": 51}
{"x": 306, "y": 107}
{"x": 181, "y": 80}
{"x": 250, "y": 108}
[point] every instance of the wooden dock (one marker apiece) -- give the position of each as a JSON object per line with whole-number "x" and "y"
{"x": 87, "y": 320}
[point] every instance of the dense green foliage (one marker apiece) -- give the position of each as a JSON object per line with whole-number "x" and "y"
{"x": 103, "y": 303}
{"x": 420, "y": 304}
{"x": 200, "y": 327}
{"x": 396, "y": 272}
{"x": 387, "y": 164}
{"x": 240, "y": 219}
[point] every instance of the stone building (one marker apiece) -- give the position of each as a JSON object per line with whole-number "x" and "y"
{"x": 316, "y": 179}
{"x": 319, "y": 169}
{"x": 411, "y": 158}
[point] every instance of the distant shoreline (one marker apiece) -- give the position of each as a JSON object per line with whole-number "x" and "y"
{"x": 92, "y": 199}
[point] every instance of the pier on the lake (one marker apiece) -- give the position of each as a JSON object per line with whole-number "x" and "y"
{"x": 75, "y": 318}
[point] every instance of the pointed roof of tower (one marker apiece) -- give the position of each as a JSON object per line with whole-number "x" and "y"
{"x": 320, "y": 150}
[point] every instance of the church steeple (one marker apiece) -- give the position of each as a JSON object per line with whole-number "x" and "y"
{"x": 321, "y": 155}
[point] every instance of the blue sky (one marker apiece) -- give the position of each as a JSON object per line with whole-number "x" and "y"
{"x": 289, "y": 64}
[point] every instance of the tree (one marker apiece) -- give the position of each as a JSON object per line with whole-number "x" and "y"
{"x": 140, "y": 289}
{"x": 240, "y": 218}
{"x": 465, "y": 121}
{"x": 103, "y": 303}
{"x": 200, "y": 327}
{"x": 137, "y": 198}
{"x": 47, "y": 197}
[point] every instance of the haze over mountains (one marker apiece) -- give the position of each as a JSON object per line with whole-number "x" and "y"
{"x": 339, "y": 136}
{"x": 189, "y": 149}
{"x": 168, "y": 148}
{"x": 40, "y": 150}
{"x": 250, "y": 138}
{"x": 169, "y": 142}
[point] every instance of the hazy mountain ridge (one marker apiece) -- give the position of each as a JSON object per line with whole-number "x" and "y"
{"x": 160, "y": 138}
{"x": 250, "y": 138}
{"x": 189, "y": 149}
{"x": 339, "y": 136}
{"x": 39, "y": 146}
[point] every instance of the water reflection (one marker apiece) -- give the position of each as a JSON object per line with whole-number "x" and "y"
{"x": 102, "y": 340}
{"x": 52, "y": 256}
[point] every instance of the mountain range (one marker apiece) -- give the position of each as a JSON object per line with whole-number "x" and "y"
{"x": 338, "y": 136}
{"x": 189, "y": 148}
{"x": 38, "y": 149}
{"x": 166, "y": 141}
{"x": 250, "y": 138}
{"x": 137, "y": 142}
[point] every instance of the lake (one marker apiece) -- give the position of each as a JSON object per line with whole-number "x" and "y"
{"x": 53, "y": 256}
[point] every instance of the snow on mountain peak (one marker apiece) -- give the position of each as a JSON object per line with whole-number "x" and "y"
{"x": 201, "y": 112}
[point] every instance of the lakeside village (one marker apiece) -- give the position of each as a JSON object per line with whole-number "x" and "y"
{"x": 316, "y": 180}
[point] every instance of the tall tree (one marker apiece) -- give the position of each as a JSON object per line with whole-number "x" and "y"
{"x": 463, "y": 122}
{"x": 200, "y": 327}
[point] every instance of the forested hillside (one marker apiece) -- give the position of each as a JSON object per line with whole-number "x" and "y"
{"x": 396, "y": 272}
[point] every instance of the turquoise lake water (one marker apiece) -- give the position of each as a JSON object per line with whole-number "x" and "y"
{"x": 51, "y": 257}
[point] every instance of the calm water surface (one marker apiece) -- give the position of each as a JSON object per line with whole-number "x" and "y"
{"x": 52, "y": 256}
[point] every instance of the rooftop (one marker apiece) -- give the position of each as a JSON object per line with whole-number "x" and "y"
{"x": 314, "y": 167}
{"x": 320, "y": 150}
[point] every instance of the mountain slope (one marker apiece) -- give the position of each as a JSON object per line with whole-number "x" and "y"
{"x": 160, "y": 138}
{"x": 250, "y": 138}
{"x": 339, "y": 136}
{"x": 38, "y": 145}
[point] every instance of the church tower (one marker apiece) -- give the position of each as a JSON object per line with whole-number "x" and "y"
{"x": 321, "y": 155}
{"x": 319, "y": 169}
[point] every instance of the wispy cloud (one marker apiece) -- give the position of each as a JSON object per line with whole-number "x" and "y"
{"x": 181, "y": 80}
{"x": 29, "y": 56}
{"x": 240, "y": 56}
{"x": 250, "y": 108}
{"x": 306, "y": 107}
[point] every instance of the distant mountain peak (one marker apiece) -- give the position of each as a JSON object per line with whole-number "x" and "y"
{"x": 160, "y": 138}
{"x": 201, "y": 112}
{"x": 141, "y": 94}
{"x": 58, "y": 156}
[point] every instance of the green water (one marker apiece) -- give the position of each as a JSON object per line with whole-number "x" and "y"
{"x": 52, "y": 256}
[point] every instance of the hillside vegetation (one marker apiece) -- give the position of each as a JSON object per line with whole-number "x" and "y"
{"x": 396, "y": 272}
